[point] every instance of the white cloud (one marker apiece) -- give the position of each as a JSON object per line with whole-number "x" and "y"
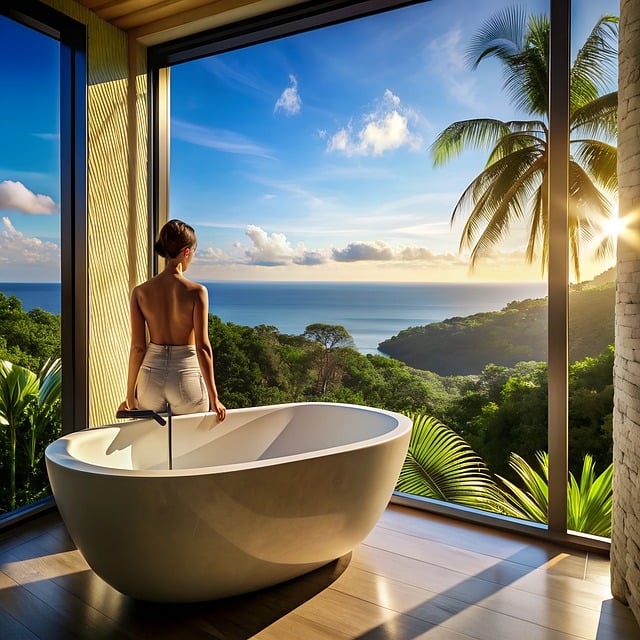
{"x": 289, "y": 101}
{"x": 384, "y": 129}
{"x": 219, "y": 139}
{"x": 276, "y": 250}
{"x": 356, "y": 251}
{"x": 16, "y": 197}
{"x": 20, "y": 249}
{"x": 448, "y": 62}
{"x": 380, "y": 251}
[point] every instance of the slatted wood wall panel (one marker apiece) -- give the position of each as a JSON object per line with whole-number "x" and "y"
{"x": 117, "y": 201}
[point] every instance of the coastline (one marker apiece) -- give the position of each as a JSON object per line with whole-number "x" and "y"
{"x": 370, "y": 311}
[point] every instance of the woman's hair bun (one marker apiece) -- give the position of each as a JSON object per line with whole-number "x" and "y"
{"x": 174, "y": 236}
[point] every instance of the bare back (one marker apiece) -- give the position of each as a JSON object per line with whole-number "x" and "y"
{"x": 167, "y": 302}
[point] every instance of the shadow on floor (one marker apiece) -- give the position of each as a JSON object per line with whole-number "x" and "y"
{"x": 465, "y": 599}
{"x": 236, "y": 618}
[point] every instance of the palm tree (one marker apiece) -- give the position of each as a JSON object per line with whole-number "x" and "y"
{"x": 512, "y": 186}
{"x": 441, "y": 465}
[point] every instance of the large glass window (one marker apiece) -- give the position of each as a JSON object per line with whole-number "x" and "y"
{"x": 592, "y": 292}
{"x": 30, "y": 355}
{"x": 42, "y": 204}
{"x": 370, "y": 199}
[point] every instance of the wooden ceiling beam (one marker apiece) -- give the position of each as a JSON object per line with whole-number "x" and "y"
{"x": 157, "y": 21}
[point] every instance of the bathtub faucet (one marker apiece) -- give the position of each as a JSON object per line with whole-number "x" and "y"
{"x": 141, "y": 413}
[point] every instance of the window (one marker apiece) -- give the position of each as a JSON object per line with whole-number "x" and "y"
{"x": 272, "y": 195}
{"x": 42, "y": 195}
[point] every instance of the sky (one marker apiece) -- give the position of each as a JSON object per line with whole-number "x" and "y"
{"x": 305, "y": 158}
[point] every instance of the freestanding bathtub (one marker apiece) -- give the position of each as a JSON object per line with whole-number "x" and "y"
{"x": 267, "y": 495}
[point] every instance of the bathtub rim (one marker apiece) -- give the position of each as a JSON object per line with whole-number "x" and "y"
{"x": 57, "y": 451}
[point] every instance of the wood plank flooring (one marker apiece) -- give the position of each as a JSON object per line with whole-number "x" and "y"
{"x": 416, "y": 576}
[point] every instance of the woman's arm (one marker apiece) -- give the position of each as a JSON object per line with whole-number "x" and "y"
{"x": 136, "y": 351}
{"x": 204, "y": 350}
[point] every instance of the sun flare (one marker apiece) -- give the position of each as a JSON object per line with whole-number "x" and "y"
{"x": 615, "y": 226}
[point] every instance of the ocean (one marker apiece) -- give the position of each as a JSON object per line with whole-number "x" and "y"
{"x": 370, "y": 312}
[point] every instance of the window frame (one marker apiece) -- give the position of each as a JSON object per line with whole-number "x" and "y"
{"x": 72, "y": 36}
{"x": 312, "y": 15}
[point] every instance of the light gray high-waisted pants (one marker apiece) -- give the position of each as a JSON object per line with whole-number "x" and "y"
{"x": 170, "y": 374}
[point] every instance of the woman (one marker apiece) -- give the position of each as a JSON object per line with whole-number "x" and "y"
{"x": 176, "y": 366}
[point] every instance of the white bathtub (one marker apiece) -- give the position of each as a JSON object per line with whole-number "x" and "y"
{"x": 265, "y": 496}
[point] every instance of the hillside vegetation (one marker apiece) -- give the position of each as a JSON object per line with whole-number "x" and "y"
{"x": 500, "y": 411}
{"x": 464, "y": 346}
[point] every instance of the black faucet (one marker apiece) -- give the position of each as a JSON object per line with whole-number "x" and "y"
{"x": 141, "y": 413}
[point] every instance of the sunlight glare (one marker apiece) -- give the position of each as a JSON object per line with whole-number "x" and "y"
{"x": 615, "y": 226}
{"x": 44, "y": 567}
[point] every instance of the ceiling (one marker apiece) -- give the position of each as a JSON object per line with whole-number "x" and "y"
{"x": 157, "y": 21}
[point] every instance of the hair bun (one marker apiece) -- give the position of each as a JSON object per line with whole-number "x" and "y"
{"x": 174, "y": 236}
{"x": 159, "y": 248}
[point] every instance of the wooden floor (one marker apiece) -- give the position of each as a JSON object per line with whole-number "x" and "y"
{"x": 415, "y": 576}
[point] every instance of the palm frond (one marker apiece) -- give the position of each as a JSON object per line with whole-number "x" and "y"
{"x": 497, "y": 226}
{"x": 535, "y": 128}
{"x": 441, "y": 465}
{"x": 589, "y": 502}
{"x": 502, "y": 36}
{"x": 538, "y": 226}
{"x": 588, "y": 205}
{"x": 18, "y": 387}
{"x": 527, "y": 73}
{"x": 600, "y": 161}
{"x": 532, "y": 502}
{"x": 597, "y": 119}
{"x": 595, "y": 66}
{"x": 476, "y": 134}
{"x": 513, "y": 142}
{"x": 505, "y": 199}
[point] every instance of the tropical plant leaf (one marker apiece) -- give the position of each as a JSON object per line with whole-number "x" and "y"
{"x": 532, "y": 502}
{"x": 589, "y": 502}
{"x": 596, "y": 60}
{"x": 441, "y": 465}
{"x": 50, "y": 381}
{"x": 18, "y": 387}
{"x": 476, "y": 134}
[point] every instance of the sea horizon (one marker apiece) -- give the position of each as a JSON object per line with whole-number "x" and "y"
{"x": 370, "y": 311}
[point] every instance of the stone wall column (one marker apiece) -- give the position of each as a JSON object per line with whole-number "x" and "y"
{"x": 625, "y": 541}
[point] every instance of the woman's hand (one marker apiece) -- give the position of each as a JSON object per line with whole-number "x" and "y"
{"x": 124, "y": 406}
{"x": 220, "y": 409}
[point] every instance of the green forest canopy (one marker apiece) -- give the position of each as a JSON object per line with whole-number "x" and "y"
{"x": 500, "y": 409}
{"x": 465, "y": 345}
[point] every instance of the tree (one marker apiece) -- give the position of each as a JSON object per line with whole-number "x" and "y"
{"x": 27, "y": 338}
{"x": 330, "y": 337}
{"x": 512, "y": 186}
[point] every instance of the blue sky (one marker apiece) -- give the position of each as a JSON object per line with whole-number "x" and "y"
{"x": 305, "y": 158}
